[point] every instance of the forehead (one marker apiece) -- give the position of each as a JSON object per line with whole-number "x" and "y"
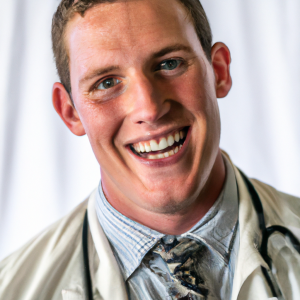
{"x": 132, "y": 24}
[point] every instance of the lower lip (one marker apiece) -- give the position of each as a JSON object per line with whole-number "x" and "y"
{"x": 167, "y": 160}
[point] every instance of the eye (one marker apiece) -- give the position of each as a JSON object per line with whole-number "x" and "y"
{"x": 170, "y": 64}
{"x": 108, "y": 83}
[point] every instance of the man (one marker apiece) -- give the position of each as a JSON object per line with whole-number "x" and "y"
{"x": 172, "y": 218}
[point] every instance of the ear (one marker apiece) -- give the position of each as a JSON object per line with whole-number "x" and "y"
{"x": 64, "y": 107}
{"x": 221, "y": 60}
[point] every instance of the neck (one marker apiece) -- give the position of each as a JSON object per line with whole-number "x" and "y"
{"x": 185, "y": 219}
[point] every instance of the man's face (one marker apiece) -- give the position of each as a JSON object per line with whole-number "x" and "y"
{"x": 141, "y": 82}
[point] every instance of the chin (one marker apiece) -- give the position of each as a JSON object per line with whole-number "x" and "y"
{"x": 168, "y": 202}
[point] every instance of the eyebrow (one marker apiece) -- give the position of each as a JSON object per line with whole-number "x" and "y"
{"x": 172, "y": 48}
{"x": 160, "y": 53}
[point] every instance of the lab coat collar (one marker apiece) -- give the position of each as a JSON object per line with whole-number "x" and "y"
{"x": 249, "y": 258}
{"x": 108, "y": 278}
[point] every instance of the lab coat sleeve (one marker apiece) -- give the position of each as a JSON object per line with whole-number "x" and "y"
{"x": 46, "y": 265}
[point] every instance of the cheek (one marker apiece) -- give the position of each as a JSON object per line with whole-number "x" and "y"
{"x": 193, "y": 92}
{"x": 101, "y": 122}
{"x": 196, "y": 93}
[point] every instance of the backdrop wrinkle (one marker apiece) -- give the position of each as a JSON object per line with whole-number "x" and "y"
{"x": 12, "y": 107}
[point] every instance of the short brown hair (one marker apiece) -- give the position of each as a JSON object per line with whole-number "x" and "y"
{"x": 67, "y": 9}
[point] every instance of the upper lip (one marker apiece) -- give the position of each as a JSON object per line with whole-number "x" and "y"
{"x": 154, "y": 135}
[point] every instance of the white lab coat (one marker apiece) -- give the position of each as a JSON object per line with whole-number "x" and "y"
{"x": 50, "y": 267}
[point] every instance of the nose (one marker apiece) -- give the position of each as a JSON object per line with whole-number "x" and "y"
{"x": 148, "y": 102}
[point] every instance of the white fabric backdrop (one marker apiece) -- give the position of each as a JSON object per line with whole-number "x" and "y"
{"x": 45, "y": 170}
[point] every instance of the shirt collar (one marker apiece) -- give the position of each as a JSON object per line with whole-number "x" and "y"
{"x": 219, "y": 224}
{"x": 131, "y": 241}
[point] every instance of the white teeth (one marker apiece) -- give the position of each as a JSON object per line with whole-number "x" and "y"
{"x": 162, "y": 144}
{"x": 181, "y": 135}
{"x": 166, "y": 154}
{"x": 142, "y": 148}
{"x": 170, "y": 140}
{"x": 147, "y": 148}
{"x": 153, "y": 145}
{"x": 157, "y": 156}
{"x": 165, "y": 142}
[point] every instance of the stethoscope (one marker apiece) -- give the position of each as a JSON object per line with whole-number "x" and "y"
{"x": 263, "y": 249}
{"x": 266, "y": 232}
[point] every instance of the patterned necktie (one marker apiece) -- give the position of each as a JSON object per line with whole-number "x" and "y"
{"x": 189, "y": 269}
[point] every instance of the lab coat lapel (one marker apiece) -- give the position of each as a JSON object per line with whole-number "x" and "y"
{"x": 249, "y": 258}
{"x": 108, "y": 278}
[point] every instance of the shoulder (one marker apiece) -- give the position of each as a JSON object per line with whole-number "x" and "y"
{"x": 43, "y": 260}
{"x": 279, "y": 208}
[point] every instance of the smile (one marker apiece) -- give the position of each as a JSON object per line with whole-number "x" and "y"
{"x": 164, "y": 147}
